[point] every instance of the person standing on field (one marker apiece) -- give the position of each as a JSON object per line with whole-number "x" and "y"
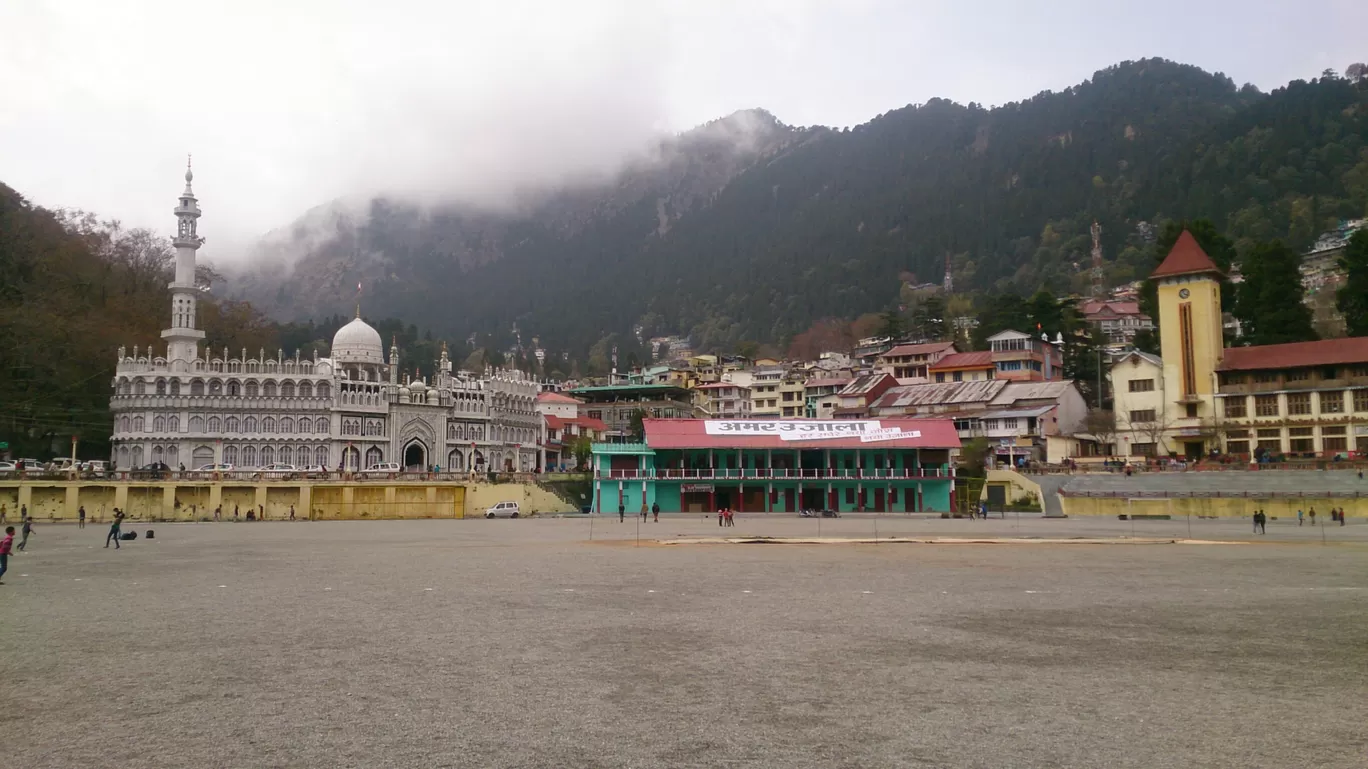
{"x": 25, "y": 530}
{"x": 80, "y": 518}
{"x": 6, "y": 544}
{"x": 114, "y": 529}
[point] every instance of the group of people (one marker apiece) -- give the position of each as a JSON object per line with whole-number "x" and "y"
{"x": 622, "y": 512}
{"x": 1336, "y": 514}
{"x": 726, "y": 517}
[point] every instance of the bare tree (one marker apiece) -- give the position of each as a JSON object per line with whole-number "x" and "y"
{"x": 1152, "y": 429}
{"x": 1101, "y": 424}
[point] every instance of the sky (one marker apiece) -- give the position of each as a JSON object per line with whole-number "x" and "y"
{"x": 289, "y": 104}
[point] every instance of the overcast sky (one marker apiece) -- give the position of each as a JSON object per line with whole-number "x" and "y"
{"x": 287, "y": 104}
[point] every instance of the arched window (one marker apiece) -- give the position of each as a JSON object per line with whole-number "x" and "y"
{"x": 197, "y": 387}
{"x": 321, "y": 456}
{"x": 122, "y": 462}
{"x": 175, "y": 387}
{"x": 159, "y": 424}
{"x": 232, "y": 424}
{"x": 374, "y": 456}
{"x": 215, "y": 425}
{"x": 173, "y": 424}
{"x": 161, "y": 386}
{"x": 196, "y": 423}
{"x": 305, "y": 390}
{"x": 172, "y": 454}
{"x": 286, "y": 455}
{"x": 287, "y": 389}
{"x": 252, "y": 388}
{"x": 321, "y": 425}
{"x": 455, "y": 460}
{"x": 323, "y": 390}
{"x": 137, "y": 424}
{"x": 249, "y": 456}
{"x": 125, "y": 424}
{"x": 230, "y": 455}
{"x": 124, "y": 387}
{"x": 137, "y": 456}
{"x": 287, "y": 425}
{"x": 140, "y": 387}
{"x": 249, "y": 425}
{"x": 234, "y": 387}
{"x": 268, "y": 425}
{"x": 268, "y": 389}
{"x": 156, "y": 454}
{"x": 215, "y": 387}
{"x": 267, "y": 455}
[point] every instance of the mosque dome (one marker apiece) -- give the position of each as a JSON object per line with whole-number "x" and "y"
{"x": 357, "y": 342}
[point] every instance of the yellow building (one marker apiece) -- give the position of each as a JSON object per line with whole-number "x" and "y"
{"x": 1303, "y": 399}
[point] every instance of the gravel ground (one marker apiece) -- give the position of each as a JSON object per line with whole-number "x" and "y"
{"x": 522, "y": 643}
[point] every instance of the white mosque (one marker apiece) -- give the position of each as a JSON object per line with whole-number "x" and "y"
{"x": 195, "y": 408}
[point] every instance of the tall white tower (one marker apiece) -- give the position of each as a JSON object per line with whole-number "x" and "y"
{"x": 182, "y": 339}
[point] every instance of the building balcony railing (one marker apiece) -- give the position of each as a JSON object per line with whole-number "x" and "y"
{"x": 775, "y": 474}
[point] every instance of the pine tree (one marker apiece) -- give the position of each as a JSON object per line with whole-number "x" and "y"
{"x": 1269, "y": 303}
{"x": 1352, "y": 297}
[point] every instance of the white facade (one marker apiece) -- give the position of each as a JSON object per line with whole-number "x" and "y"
{"x": 348, "y": 411}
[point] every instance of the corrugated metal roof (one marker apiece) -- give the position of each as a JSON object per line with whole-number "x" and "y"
{"x": 1027, "y": 391}
{"x": 963, "y": 360}
{"x": 940, "y": 393}
{"x": 1014, "y": 413}
{"x": 917, "y": 349}
{"x": 864, "y": 383}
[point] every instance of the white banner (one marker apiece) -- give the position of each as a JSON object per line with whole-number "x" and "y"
{"x": 790, "y": 430}
{"x": 889, "y": 434}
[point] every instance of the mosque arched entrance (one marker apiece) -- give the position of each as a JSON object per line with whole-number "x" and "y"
{"x": 415, "y": 457}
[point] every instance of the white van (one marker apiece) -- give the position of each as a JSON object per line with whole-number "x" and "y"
{"x": 383, "y": 468}
{"x": 504, "y": 510}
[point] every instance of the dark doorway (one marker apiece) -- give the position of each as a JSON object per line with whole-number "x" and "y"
{"x": 788, "y": 501}
{"x": 1193, "y": 450}
{"x": 415, "y": 457}
{"x": 812, "y": 499}
{"x": 878, "y": 498}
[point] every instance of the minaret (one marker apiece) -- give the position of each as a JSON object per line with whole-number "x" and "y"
{"x": 182, "y": 339}
{"x": 394, "y": 356}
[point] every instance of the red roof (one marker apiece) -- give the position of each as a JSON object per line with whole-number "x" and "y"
{"x": 590, "y": 423}
{"x": 1186, "y": 258}
{"x": 1093, "y": 307}
{"x": 1327, "y": 352}
{"x": 554, "y": 422}
{"x": 964, "y": 360}
{"x": 550, "y": 397}
{"x": 693, "y": 433}
{"x": 917, "y": 349}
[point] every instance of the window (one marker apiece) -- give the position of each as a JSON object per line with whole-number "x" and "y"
{"x": 963, "y": 425}
{"x": 287, "y": 426}
{"x": 1271, "y": 444}
{"x": 940, "y": 376}
{"x": 267, "y": 455}
{"x": 173, "y": 424}
{"x": 1144, "y": 415}
{"x": 1264, "y": 377}
{"x": 268, "y": 389}
{"x": 1009, "y": 424}
{"x": 234, "y": 388}
{"x": 1298, "y": 375}
{"x": 159, "y": 424}
{"x": 1329, "y": 372}
{"x": 249, "y": 456}
{"x": 1142, "y": 449}
{"x": 232, "y": 424}
{"x": 1232, "y": 379}
{"x": 287, "y": 390}
{"x": 287, "y": 454}
{"x": 1265, "y": 405}
{"x": 596, "y": 415}
{"x": 175, "y": 387}
{"x": 959, "y": 376}
{"x": 268, "y": 425}
{"x": 1298, "y": 432}
{"x": 1270, "y": 433}
{"x": 1298, "y": 403}
{"x": 1339, "y": 430}
{"x": 1360, "y": 400}
{"x": 215, "y": 425}
{"x": 1190, "y": 410}
{"x": 1009, "y": 365}
{"x": 321, "y": 456}
{"x": 1237, "y": 434}
{"x": 1237, "y": 447}
{"x": 1237, "y": 407}
{"x": 1141, "y": 385}
{"x": 305, "y": 390}
{"x": 850, "y": 496}
{"x": 1339, "y": 443}
{"x": 990, "y": 424}
{"x": 196, "y": 424}
{"x": 321, "y": 425}
{"x": 1302, "y": 445}
{"x": 230, "y": 455}
{"x": 161, "y": 386}
{"x": 1332, "y": 402}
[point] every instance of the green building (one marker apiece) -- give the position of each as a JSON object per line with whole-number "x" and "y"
{"x": 703, "y": 465}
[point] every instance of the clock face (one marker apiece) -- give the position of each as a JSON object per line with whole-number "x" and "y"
{"x": 1183, "y": 293}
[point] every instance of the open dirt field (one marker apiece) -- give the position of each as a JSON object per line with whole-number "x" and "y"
{"x": 523, "y": 643}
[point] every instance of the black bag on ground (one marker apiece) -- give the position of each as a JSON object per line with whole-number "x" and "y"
{"x": 127, "y": 535}
{"x": 149, "y": 535}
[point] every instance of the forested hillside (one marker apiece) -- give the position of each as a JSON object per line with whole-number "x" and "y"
{"x": 755, "y": 241}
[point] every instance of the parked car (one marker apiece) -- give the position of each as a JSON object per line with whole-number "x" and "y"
{"x": 314, "y": 471}
{"x": 383, "y": 468}
{"x": 217, "y": 468}
{"x": 154, "y": 471}
{"x": 8, "y": 468}
{"x": 30, "y": 465}
{"x": 61, "y": 465}
{"x": 504, "y": 510}
{"x": 277, "y": 470}
{"x": 96, "y": 467}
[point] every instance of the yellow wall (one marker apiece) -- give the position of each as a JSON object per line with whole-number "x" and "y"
{"x": 1215, "y": 507}
{"x": 1205, "y": 300}
{"x": 184, "y": 501}
{"x": 1018, "y": 485}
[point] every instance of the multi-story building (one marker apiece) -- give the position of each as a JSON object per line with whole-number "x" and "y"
{"x": 696, "y": 465}
{"x": 192, "y": 407}
{"x": 615, "y": 405}
{"x": 564, "y": 426}
{"x": 1305, "y": 398}
{"x": 963, "y": 367}
{"x": 854, "y": 400}
{"x": 1021, "y": 357}
{"x": 820, "y": 398}
{"x": 908, "y": 363}
{"x": 1118, "y": 321}
{"x": 792, "y": 396}
{"x": 764, "y": 392}
{"x": 724, "y": 400}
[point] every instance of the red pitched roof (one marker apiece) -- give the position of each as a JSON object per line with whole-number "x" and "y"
{"x": 693, "y": 433}
{"x": 917, "y": 349}
{"x": 550, "y": 397}
{"x": 554, "y": 422}
{"x": 1186, "y": 258}
{"x": 589, "y": 423}
{"x": 1327, "y": 352}
{"x": 1093, "y": 307}
{"x": 964, "y": 360}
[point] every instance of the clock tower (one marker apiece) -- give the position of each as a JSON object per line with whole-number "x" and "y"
{"x": 1191, "y": 342}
